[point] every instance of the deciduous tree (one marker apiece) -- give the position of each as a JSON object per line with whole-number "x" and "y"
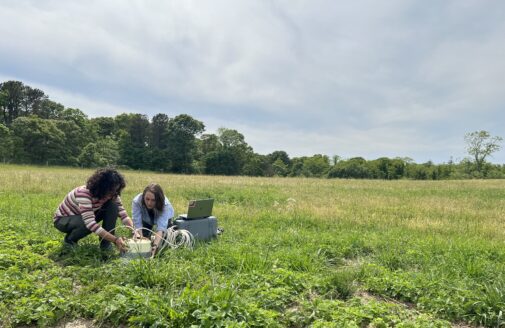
{"x": 5, "y": 143}
{"x": 316, "y": 166}
{"x": 234, "y": 142}
{"x": 158, "y": 144}
{"x": 480, "y": 144}
{"x": 182, "y": 131}
{"x": 103, "y": 152}
{"x": 133, "y": 131}
{"x": 222, "y": 162}
{"x": 39, "y": 141}
{"x": 12, "y": 99}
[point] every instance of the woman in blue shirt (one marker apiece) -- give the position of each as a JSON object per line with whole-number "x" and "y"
{"x": 151, "y": 208}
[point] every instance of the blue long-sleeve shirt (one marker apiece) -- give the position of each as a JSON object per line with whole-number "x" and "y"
{"x": 161, "y": 218}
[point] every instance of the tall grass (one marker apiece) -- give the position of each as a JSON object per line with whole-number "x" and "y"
{"x": 296, "y": 252}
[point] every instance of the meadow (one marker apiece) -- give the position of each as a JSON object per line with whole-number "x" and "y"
{"x": 295, "y": 252}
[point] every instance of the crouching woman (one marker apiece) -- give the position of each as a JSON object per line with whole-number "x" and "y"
{"x": 151, "y": 208}
{"x": 84, "y": 207}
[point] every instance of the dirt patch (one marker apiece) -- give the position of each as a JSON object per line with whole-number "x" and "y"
{"x": 464, "y": 325}
{"x": 365, "y": 296}
{"x": 78, "y": 323}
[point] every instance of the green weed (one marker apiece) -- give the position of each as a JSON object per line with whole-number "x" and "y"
{"x": 295, "y": 253}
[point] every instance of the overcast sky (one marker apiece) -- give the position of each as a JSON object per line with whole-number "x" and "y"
{"x": 350, "y": 78}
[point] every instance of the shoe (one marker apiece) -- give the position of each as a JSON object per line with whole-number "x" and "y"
{"x": 106, "y": 251}
{"x": 67, "y": 246}
{"x": 106, "y": 247}
{"x": 69, "y": 243}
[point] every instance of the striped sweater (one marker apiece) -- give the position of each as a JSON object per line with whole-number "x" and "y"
{"x": 80, "y": 202}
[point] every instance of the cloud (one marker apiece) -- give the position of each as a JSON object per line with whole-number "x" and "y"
{"x": 366, "y": 78}
{"x": 347, "y": 142}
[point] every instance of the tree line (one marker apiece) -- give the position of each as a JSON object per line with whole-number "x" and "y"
{"x": 37, "y": 130}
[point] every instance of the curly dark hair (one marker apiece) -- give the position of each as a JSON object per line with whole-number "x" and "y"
{"x": 105, "y": 181}
{"x": 159, "y": 196}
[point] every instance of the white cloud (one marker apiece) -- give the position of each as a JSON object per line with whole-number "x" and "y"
{"x": 383, "y": 76}
{"x": 90, "y": 107}
{"x": 346, "y": 142}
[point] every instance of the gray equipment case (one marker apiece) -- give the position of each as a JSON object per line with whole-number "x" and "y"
{"x": 201, "y": 229}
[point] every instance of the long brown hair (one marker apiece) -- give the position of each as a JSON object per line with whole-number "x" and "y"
{"x": 159, "y": 196}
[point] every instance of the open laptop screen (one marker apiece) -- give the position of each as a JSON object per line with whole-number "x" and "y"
{"x": 200, "y": 208}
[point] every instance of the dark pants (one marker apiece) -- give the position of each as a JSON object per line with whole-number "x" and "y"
{"x": 146, "y": 233}
{"x": 75, "y": 229}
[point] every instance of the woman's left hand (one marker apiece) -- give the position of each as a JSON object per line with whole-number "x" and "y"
{"x": 137, "y": 234}
{"x": 154, "y": 249}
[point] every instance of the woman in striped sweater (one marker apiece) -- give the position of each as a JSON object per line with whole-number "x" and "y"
{"x": 99, "y": 200}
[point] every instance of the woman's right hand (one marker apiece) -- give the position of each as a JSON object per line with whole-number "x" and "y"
{"x": 121, "y": 245}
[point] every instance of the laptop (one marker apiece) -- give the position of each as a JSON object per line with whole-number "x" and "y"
{"x": 199, "y": 209}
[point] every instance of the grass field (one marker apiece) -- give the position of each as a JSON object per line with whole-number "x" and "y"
{"x": 294, "y": 253}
